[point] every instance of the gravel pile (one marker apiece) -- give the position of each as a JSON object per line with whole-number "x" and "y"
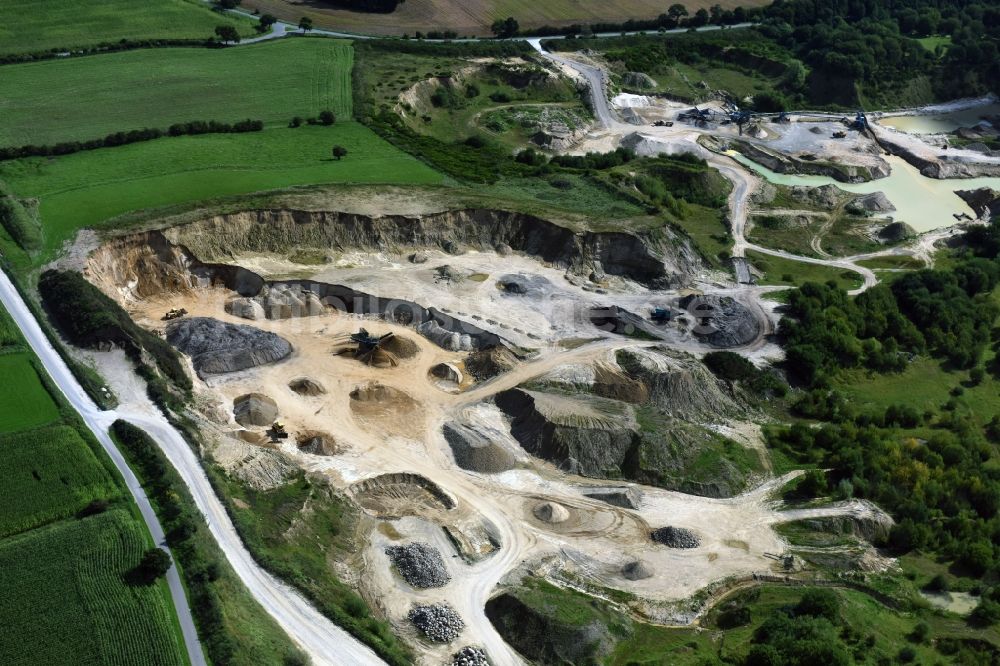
{"x": 636, "y": 570}
{"x": 676, "y": 537}
{"x": 470, "y": 656}
{"x": 438, "y": 622}
{"x": 419, "y": 564}
{"x": 217, "y": 347}
{"x": 475, "y": 450}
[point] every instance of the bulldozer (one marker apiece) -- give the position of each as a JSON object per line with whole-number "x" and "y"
{"x": 277, "y": 431}
{"x": 174, "y": 313}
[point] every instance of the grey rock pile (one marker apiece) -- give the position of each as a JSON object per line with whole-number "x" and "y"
{"x": 420, "y": 565}
{"x": 217, "y": 347}
{"x": 255, "y": 409}
{"x": 676, "y": 537}
{"x": 438, "y": 622}
{"x": 636, "y": 570}
{"x": 475, "y": 450}
{"x": 470, "y": 656}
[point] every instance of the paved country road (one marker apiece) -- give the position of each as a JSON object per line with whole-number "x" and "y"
{"x": 323, "y": 641}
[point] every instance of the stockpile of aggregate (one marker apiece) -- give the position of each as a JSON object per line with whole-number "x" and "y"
{"x": 420, "y": 565}
{"x": 636, "y": 570}
{"x": 676, "y": 537}
{"x": 438, "y": 622}
{"x": 217, "y": 347}
{"x": 470, "y": 656}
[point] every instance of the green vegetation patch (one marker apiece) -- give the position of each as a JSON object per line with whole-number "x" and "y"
{"x": 85, "y": 189}
{"x": 781, "y": 271}
{"x": 31, "y": 26}
{"x": 232, "y": 627}
{"x": 66, "y": 599}
{"x": 24, "y": 401}
{"x": 86, "y": 98}
{"x": 296, "y": 531}
{"x": 49, "y": 474}
{"x": 9, "y": 335}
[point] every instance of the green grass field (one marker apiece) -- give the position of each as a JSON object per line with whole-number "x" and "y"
{"x": 49, "y": 474}
{"x": 90, "y": 97}
{"x": 87, "y": 188}
{"x": 780, "y": 271}
{"x": 40, "y": 25}
{"x": 24, "y": 401}
{"x": 66, "y": 601}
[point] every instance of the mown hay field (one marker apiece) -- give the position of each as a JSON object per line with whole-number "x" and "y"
{"x": 24, "y": 401}
{"x": 87, "y": 188}
{"x": 29, "y": 26}
{"x": 474, "y": 17}
{"x": 49, "y": 474}
{"x": 75, "y": 99}
{"x": 66, "y": 599}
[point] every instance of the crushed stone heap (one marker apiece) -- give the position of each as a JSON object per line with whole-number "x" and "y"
{"x": 676, "y": 537}
{"x": 636, "y": 570}
{"x": 217, "y": 347}
{"x": 420, "y": 565}
{"x": 255, "y": 409}
{"x": 438, "y": 622}
{"x": 470, "y": 656}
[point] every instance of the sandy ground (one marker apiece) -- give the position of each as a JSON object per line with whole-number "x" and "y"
{"x": 404, "y": 435}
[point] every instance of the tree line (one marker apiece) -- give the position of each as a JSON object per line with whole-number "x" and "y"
{"x": 114, "y": 139}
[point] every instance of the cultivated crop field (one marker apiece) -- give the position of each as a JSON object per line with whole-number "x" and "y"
{"x": 87, "y": 188}
{"x": 49, "y": 474}
{"x": 24, "y": 401}
{"x": 8, "y": 332}
{"x": 90, "y": 97}
{"x": 66, "y": 599}
{"x": 40, "y": 25}
{"x": 474, "y": 17}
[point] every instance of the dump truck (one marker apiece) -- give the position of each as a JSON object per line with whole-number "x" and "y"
{"x": 175, "y": 313}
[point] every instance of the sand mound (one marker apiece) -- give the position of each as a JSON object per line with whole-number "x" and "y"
{"x": 636, "y": 570}
{"x": 255, "y": 409}
{"x": 251, "y": 437}
{"x": 401, "y": 347}
{"x": 550, "y": 512}
{"x": 375, "y": 392}
{"x": 317, "y": 443}
{"x": 475, "y": 451}
{"x": 392, "y": 496}
{"x": 306, "y": 386}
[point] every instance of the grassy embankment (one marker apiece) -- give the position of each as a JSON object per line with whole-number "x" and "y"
{"x": 69, "y": 537}
{"x": 31, "y": 26}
